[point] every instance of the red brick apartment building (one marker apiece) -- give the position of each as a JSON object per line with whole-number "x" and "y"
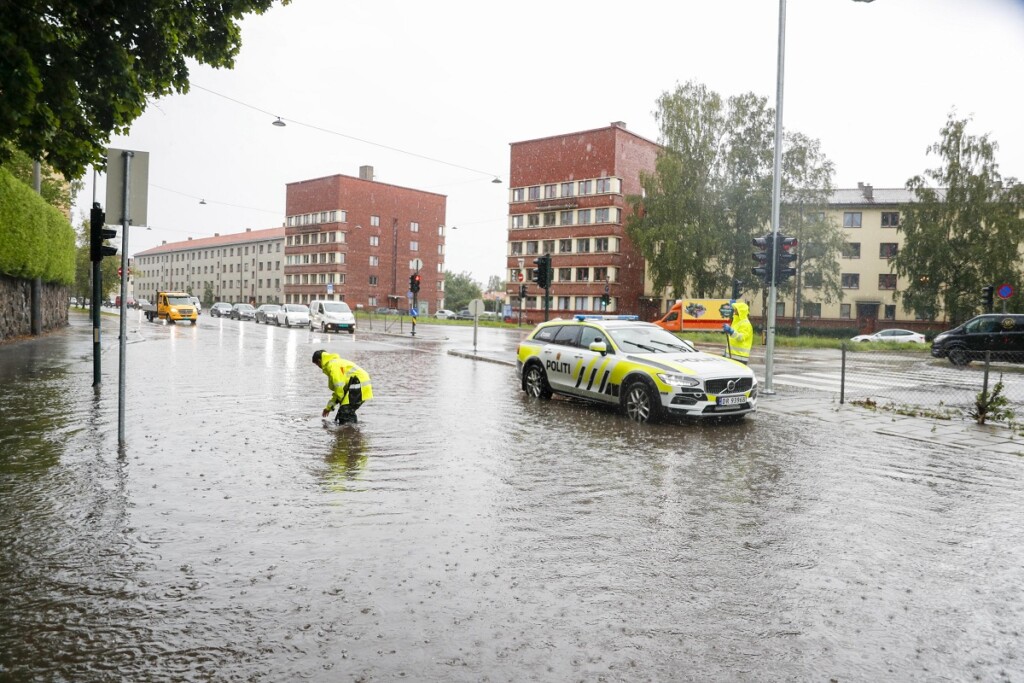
{"x": 356, "y": 240}
{"x": 568, "y": 199}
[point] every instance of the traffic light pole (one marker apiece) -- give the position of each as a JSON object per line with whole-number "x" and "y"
{"x": 127, "y": 155}
{"x": 769, "y": 351}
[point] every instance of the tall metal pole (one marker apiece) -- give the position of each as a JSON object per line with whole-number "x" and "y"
{"x": 769, "y": 351}
{"x": 127, "y": 155}
{"x": 97, "y": 287}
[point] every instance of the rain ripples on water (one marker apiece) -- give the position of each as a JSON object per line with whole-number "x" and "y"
{"x": 464, "y": 532}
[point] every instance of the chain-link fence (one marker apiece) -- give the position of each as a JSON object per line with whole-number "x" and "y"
{"x": 916, "y": 381}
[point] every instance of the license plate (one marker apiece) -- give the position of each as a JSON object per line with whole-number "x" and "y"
{"x": 731, "y": 400}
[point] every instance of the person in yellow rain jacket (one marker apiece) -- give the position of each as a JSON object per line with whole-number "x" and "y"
{"x": 349, "y": 384}
{"x": 741, "y": 333}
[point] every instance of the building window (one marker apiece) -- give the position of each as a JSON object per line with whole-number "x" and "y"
{"x": 565, "y": 274}
{"x": 550, "y": 218}
{"x": 534, "y": 193}
{"x": 583, "y": 245}
{"x": 851, "y": 280}
{"x": 414, "y": 226}
{"x": 600, "y": 215}
{"x": 601, "y": 244}
{"x": 600, "y": 274}
{"x": 373, "y": 280}
{"x": 890, "y": 219}
{"x": 565, "y": 246}
{"x": 584, "y": 216}
{"x": 414, "y": 246}
{"x": 586, "y": 187}
{"x": 533, "y": 220}
{"x": 548, "y": 247}
{"x": 531, "y": 248}
{"x": 887, "y": 281}
{"x": 583, "y": 275}
{"x": 567, "y": 218}
{"x": 812, "y": 310}
{"x": 888, "y": 250}
{"x": 518, "y": 194}
{"x": 890, "y": 312}
{"x": 374, "y": 261}
{"x": 851, "y": 250}
{"x": 566, "y": 189}
{"x": 563, "y": 303}
{"x": 851, "y": 219}
{"x": 581, "y": 303}
{"x": 844, "y": 311}
{"x": 604, "y": 184}
{"x": 374, "y": 221}
{"x": 550, "y": 191}
{"x": 517, "y": 221}
{"x": 517, "y": 248}
{"x": 374, "y": 240}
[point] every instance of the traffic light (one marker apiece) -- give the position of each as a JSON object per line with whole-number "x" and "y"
{"x": 785, "y": 254}
{"x": 542, "y": 274}
{"x": 763, "y": 256}
{"x": 522, "y": 292}
{"x": 414, "y": 283}
{"x": 98, "y": 234}
{"x": 605, "y": 299}
{"x": 986, "y": 297}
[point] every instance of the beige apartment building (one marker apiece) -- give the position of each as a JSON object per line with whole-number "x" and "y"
{"x": 240, "y": 267}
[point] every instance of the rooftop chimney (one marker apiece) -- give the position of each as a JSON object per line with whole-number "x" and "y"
{"x": 619, "y": 124}
{"x": 366, "y": 172}
{"x": 867, "y": 190}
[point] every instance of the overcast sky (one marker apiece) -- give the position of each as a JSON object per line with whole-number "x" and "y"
{"x": 432, "y": 94}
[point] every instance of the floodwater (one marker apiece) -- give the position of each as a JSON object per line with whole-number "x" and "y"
{"x": 464, "y": 532}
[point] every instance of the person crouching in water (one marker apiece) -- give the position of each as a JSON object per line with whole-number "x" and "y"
{"x": 349, "y": 384}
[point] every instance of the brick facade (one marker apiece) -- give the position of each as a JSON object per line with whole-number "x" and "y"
{"x": 358, "y": 239}
{"x": 573, "y": 187}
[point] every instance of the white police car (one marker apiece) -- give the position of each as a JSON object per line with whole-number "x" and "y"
{"x": 638, "y": 366}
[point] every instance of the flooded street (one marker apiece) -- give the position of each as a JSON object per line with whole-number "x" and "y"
{"x": 464, "y": 532}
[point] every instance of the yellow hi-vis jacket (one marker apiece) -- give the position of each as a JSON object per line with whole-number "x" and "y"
{"x": 340, "y": 373}
{"x": 742, "y": 337}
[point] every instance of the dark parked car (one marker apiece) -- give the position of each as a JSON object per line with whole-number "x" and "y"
{"x": 243, "y": 312}
{"x": 999, "y": 334}
{"x": 266, "y": 313}
{"x": 220, "y": 309}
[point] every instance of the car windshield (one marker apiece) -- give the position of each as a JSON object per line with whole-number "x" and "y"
{"x": 178, "y": 301}
{"x": 244, "y": 307}
{"x": 296, "y": 308}
{"x": 650, "y": 339}
{"x": 337, "y": 307}
{"x": 270, "y": 307}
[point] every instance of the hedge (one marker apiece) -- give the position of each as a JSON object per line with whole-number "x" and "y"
{"x": 36, "y": 240}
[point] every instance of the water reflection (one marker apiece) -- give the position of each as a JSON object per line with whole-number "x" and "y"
{"x": 348, "y": 456}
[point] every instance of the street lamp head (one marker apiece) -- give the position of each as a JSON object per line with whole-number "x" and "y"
{"x": 497, "y": 180}
{"x": 279, "y": 123}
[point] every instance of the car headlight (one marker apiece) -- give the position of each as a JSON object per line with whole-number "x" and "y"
{"x": 938, "y": 338}
{"x": 675, "y": 380}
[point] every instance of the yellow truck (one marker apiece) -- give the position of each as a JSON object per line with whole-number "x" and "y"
{"x": 175, "y": 307}
{"x": 697, "y": 314}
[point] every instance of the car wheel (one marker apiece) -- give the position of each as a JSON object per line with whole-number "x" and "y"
{"x": 641, "y": 402}
{"x": 958, "y": 356}
{"x": 535, "y": 382}
{"x": 323, "y": 328}
{"x": 352, "y": 330}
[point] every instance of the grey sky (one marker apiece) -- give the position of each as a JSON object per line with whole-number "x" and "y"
{"x": 458, "y": 81}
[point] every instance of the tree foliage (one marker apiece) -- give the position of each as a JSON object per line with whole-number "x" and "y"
{"x": 73, "y": 73}
{"x": 711, "y": 191}
{"x": 460, "y": 289}
{"x": 964, "y": 229}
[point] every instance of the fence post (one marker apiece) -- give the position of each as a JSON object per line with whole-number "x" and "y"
{"x": 842, "y": 376}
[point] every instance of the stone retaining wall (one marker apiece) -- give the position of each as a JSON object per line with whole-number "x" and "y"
{"x": 16, "y": 307}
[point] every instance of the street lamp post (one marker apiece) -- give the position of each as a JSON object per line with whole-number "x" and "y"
{"x": 769, "y": 352}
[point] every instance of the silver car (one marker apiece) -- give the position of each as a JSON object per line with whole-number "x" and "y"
{"x": 291, "y": 314}
{"x": 265, "y": 312}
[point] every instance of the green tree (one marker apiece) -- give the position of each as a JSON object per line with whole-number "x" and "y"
{"x": 72, "y": 73}
{"x": 963, "y": 231}
{"x": 460, "y": 289}
{"x": 710, "y": 193}
{"x": 52, "y": 186}
{"x": 495, "y": 284}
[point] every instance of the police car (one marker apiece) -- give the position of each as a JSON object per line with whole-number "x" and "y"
{"x": 647, "y": 371}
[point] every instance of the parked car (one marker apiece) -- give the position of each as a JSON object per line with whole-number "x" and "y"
{"x": 221, "y": 309}
{"x": 197, "y": 303}
{"x": 243, "y": 312}
{"x": 266, "y": 312}
{"x": 141, "y": 303}
{"x": 328, "y": 315}
{"x": 1000, "y": 335}
{"x": 444, "y": 314}
{"x": 644, "y": 370}
{"x": 292, "y": 314}
{"x": 891, "y": 335}
{"x": 464, "y": 314}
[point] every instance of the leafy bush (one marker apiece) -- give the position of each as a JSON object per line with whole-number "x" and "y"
{"x": 36, "y": 240}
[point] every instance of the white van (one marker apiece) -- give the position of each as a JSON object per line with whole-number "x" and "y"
{"x": 331, "y": 315}
{"x": 195, "y": 302}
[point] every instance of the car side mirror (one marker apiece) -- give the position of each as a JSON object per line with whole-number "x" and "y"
{"x": 599, "y": 347}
